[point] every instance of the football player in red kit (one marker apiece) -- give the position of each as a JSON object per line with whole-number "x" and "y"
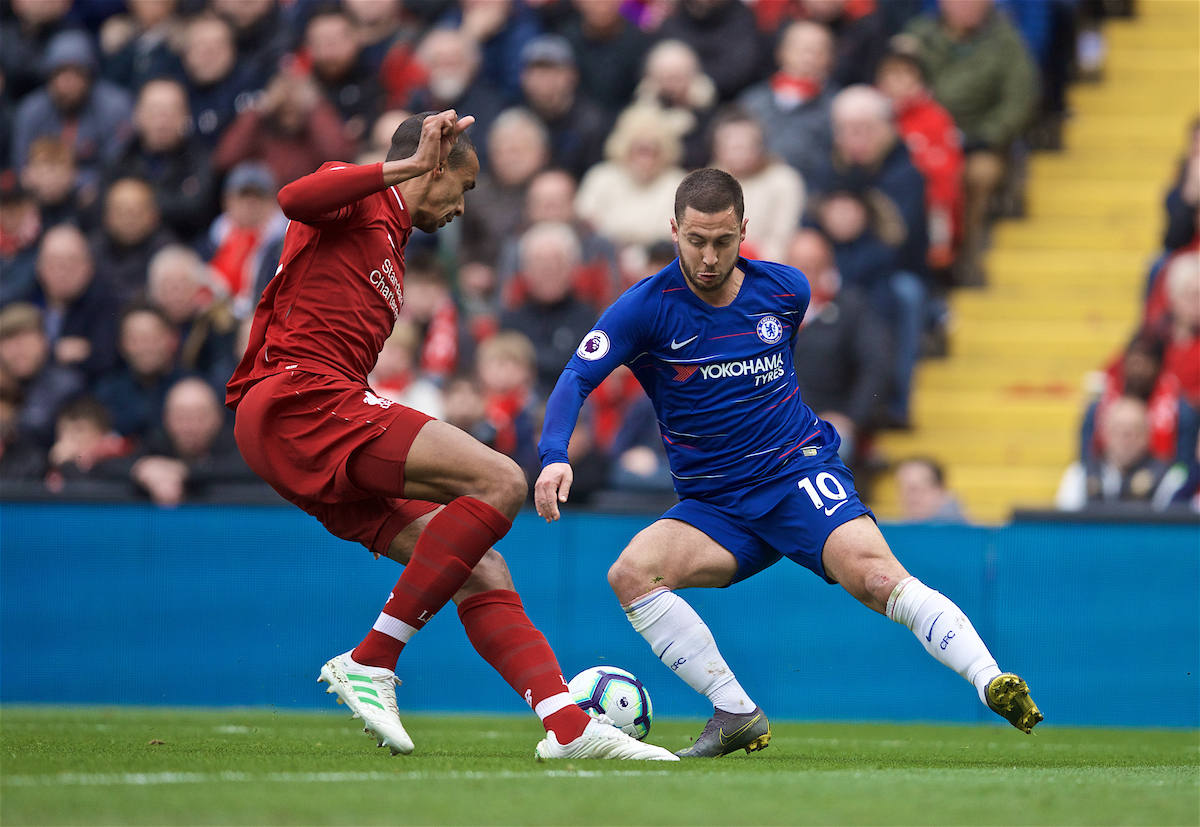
{"x": 406, "y": 486}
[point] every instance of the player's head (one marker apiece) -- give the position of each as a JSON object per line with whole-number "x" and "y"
{"x": 708, "y": 228}
{"x": 437, "y": 196}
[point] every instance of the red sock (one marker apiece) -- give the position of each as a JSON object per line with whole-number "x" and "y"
{"x": 500, "y": 631}
{"x": 449, "y": 547}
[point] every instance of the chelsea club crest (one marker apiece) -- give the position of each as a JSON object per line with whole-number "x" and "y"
{"x": 770, "y": 329}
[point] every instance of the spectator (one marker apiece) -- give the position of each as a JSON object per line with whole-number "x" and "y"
{"x": 85, "y": 445}
{"x": 552, "y": 318}
{"x": 20, "y": 459}
{"x": 1138, "y": 373}
{"x": 79, "y": 307}
{"x": 774, "y": 191}
{"x": 506, "y": 364}
{"x": 251, "y": 223}
{"x": 630, "y": 197}
{"x": 292, "y": 129}
{"x": 379, "y": 26}
{"x": 136, "y": 47}
{"x": 869, "y": 161}
{"x": 517, "y": 149}
{"x": 163, "y": 153}
{"x": 934, "y": 146}
{"x": 24, "y": 39}
{"x": 724, "y": 35}
{"x": 842, "y": 352}
{"x": 861, "y": 40}
{"x": 1184, "y": 197}
{"x": 380, "y": 138}
{"x": 551, "y": 197}
{"x": 609, "y": 51}
{"x": 430, "y": 308}
{"x": 1180, "y": 489}
{"x": 674, "y": 82}
{"x": 1127, "y": 471}
{"x": 91, "y": 115}
{"x": 131, "y": 233}
{"x": 134, "y": 391}
{"x": 1179, "y": 329}
{"x": 793, "y": 104}
{"x": 924, "y": 497}
{"x": 29, "y": 379}
{"x": 396, "y": 377}
{"x": 982, "y": 73}
{"x": 501, "y": 28}
{"x": 219, "y": 86}
{"x": 195, "y": 452}
{"x": 639, "y": 460}
{"x": 463, "y": 403}
{"x": 184, "y": 289}
{"x": 452, "y": 60}
{"x": 340, "y": 70}
{"x": 262, "y": 36}
{"x": 20, "y": 230}
{"x": 576, "y": 126}
{"x": 50, "y": 176}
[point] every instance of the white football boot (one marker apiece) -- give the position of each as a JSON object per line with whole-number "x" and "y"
{"x": 600, "y": 739}
{"x": 370, "y": 692}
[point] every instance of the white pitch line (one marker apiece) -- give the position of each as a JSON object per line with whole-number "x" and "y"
{"x": 72, "y": 779}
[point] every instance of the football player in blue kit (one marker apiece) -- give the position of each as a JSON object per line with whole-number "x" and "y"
{"x": 710, "y": 339}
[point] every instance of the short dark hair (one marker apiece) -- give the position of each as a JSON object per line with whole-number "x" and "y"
{"x": 935, "y": 468}
{"x": 709, "y": 191}
{"x": 86, "y": 409}
{"x": 407, "y": 138}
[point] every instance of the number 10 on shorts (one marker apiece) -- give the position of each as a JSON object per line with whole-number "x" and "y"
{"x": 827, "y": 484}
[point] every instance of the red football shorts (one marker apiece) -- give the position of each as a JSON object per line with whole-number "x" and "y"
{"x": 297, "y": 431}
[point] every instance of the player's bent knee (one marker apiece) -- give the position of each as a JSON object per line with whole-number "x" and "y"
{"x": 489, "y": 574}
{"x": 629, "y": 579}
{"x": 502, "y": 485}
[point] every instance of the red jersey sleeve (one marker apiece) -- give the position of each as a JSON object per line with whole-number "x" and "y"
{"x": 332, "y": 193}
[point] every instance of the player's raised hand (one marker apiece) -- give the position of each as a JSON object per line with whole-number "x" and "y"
{"x": 552, "y": 487}
{"x": 438, "y": 134}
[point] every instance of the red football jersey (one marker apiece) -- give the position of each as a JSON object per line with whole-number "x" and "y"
{"x": 338, "y": 290}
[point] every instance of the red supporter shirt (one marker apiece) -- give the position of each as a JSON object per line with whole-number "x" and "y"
{"x": 338, "y": 290}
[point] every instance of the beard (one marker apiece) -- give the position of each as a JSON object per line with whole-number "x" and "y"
{"x": 711, "y": 285}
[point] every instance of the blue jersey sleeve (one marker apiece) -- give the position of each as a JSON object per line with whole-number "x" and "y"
{"x": 615, "y": 340}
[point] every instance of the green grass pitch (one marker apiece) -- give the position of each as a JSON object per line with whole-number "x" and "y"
{"x": 167, "y": 766}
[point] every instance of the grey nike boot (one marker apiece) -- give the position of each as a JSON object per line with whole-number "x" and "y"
{"x": 728, "y": 732}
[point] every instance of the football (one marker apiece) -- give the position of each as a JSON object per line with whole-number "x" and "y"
{"x": 606, "y": 690}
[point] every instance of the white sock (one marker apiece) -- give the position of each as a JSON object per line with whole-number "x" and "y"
{"x": 944, "y": 631}
{"x": 682, "y": 641}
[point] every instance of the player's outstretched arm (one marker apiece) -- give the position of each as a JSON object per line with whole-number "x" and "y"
{"x": 553, "y": 486}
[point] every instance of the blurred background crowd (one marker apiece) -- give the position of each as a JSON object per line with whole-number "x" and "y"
{"x": 143, "y": 142}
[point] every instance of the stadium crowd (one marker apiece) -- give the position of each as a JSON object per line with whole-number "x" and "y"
{"x": 143, "y": 142}
{"x": 1138, "y": 446}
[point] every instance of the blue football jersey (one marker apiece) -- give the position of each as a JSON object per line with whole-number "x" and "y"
{"x": 722, "y": 379}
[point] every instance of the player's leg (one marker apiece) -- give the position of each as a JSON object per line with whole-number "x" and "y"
{"x": 858, "y": 558}
{"x": 671, "y": 555}
{"x": 496, "y": 624}
{"x": 482, "y": 491}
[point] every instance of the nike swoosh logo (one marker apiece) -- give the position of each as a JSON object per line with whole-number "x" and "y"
{"x": 929, "y": 637}
{"x": 829, "y": 511}
{"x": 725, "y": 740}
{"x": 676, "y": 345}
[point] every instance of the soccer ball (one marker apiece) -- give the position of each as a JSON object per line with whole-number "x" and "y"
{"x": 606, "y": 690}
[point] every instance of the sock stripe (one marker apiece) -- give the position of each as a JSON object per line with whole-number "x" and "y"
{"x": 554, "y": 703}
{"x": 394, "y": 627}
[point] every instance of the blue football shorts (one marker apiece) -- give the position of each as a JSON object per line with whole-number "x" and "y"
{"x": 790, "y": 516}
